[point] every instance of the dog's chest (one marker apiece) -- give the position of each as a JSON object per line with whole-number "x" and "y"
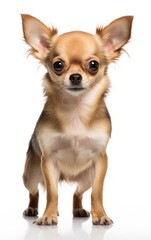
{"x": 74, "y": 152}
{"x": 77, "y": 147}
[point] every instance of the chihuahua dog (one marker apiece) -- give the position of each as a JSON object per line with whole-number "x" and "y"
{"x": 71, "y": 135}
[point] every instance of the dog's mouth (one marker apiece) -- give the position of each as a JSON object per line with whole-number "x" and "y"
{"x": 76, "y": 89}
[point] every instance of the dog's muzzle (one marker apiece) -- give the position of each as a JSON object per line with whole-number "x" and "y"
{"x": 75, "y": 82}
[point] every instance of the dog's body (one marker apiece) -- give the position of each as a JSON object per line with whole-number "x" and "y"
{"x": 71, "y": 135}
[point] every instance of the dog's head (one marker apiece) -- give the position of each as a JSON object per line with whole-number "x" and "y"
{"x": 76, "y": 60}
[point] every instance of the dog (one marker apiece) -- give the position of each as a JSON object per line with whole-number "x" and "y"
{"x": 71, "y": 135}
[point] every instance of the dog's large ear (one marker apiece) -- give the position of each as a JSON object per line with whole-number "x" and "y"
{"x": 37, "y": 35}
{"x": 115, "y": 36}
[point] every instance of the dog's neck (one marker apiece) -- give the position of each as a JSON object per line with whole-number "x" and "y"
{"x": 76, "y": 109}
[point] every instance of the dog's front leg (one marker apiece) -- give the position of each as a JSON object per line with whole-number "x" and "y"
{"x": 99, "y": 216}
{"x": 50, "y": 175}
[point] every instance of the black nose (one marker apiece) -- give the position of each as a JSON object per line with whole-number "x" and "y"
{"x": 75, "y": 78}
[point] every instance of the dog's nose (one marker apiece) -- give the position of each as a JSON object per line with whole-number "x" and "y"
{"x": 75, "y": 79}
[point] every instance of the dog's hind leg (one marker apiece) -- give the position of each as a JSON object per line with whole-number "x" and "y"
{"x": 32, "y": 209}
{"x": 32, "y": 177}
{"x": 84, "y": 183}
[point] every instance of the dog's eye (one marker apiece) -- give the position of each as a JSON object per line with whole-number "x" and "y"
{"x": 58, "y": 66}
{"x": 93, "y": 67}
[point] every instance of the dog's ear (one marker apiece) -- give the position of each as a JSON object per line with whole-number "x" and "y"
{"x": 37, "y": 35}
{"x": 115, "y": 36}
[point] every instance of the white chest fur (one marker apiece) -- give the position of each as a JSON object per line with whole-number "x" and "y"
{"x": 77, "y": 146}
{"x": 72, "y": 153}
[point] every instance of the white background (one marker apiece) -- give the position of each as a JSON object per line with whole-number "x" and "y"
{"x": 127, "y": 188}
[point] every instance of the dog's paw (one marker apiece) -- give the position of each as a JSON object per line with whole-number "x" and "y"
{"x": 80, "y": 213}
{"x": 105, "y": 220}
{"x": 46, "y": 221}
{"x": 30, "y": 212}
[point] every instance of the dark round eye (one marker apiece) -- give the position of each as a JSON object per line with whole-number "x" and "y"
{"x": 58, "y": 66}
{"x": 93, "y": 67}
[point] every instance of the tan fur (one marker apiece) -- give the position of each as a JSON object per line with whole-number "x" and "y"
{"x": 70, "y": 138}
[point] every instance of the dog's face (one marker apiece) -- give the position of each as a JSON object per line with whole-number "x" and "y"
{"x": 76, "y": 60}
